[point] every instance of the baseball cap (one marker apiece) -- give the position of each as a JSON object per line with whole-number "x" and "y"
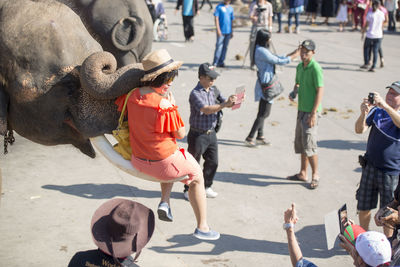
{"x": 351, "y": 232}
{"x": 308, "y": 44}
{"x": 395, "y": 86}
{"x": 206, "y": 69}
{"x": 374, "y": 248}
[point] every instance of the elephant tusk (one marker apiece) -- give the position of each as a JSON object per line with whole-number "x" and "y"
{"x": 104, "y": 146}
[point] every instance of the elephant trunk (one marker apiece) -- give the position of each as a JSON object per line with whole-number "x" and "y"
{"x": 123, "y": 25}
{"x": 101, "y": 79}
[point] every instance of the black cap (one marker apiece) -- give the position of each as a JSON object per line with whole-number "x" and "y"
{"x": 206, "y": 69}
{"x": 308, "y": 44}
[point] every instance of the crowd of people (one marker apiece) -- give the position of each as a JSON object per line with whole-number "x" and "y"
{"x": 122, "y": 227}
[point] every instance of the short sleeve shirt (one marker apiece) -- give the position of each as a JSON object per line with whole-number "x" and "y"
{"x": 305, "y": 263}
{"x": 199, "y": 98}
{"x": 309, "y": 79}
{"x": 263, "y": 15}
{"x": 383, "y": 147}
{"x": 225, "y": 17}
{"x": 375, "y": 21}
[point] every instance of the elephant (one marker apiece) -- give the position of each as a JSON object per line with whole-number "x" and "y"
{"x": 122, "y": 27}
{"x": 57, "y": 85}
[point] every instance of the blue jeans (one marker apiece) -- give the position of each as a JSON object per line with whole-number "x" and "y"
{"x": 279, "y": 17}
{"x": 220, "y": 49}
{"x": 374, "y": 45}
{"x": 296, "y": 19}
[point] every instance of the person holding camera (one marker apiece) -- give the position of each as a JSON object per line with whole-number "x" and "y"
{"x": 381, "y": 161}
{"x": 205, "y": 103}
{"x": 261, "y": 16}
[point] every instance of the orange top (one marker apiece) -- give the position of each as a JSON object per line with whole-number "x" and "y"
{"x": 151, "y": 127}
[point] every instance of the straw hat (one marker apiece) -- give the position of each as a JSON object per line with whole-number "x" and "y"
{"x": 121, "y": 227}
{"x": 157, "y": 62}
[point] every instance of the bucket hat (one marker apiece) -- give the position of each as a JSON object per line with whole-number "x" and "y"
{"x": 121, "y": 227}
{"x": 374, "y": 248}
{"x": 157, "y": 62}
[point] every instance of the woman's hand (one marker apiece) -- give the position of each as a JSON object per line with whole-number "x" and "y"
{"x": 290, "y": 215}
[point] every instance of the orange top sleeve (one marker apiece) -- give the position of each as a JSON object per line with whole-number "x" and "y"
{"x": 168, "y": 120}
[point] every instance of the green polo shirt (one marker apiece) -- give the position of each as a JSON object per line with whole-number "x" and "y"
{"x": 309, "y": 79}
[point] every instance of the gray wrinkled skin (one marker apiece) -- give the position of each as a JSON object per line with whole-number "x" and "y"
{"x": 57, "y": 86}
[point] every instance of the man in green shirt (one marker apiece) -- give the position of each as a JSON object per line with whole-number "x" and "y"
{"x": 309, "y": 86}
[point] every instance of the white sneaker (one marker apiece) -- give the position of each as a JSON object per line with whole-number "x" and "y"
{"x": 211, "y": 193}
{"x": 186, "y": 195}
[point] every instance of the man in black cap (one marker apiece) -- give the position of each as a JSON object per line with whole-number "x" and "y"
{"x": 310, "y": 87}
{"x": 205, "y": 103}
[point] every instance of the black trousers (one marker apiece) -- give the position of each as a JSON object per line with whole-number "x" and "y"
{"x": 264, "y": 109}
{"x": 188, "y": 29}
{"x": 203, "y": 144}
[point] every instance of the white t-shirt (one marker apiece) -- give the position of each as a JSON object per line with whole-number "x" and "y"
{"x": 375, "y": 21}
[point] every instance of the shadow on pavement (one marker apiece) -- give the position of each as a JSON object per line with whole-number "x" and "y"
{"x": 343, "y": 144}
{"x": 312, "y": 243}
{"x": 107, "y": 191}
{"x": 254, "y": 179}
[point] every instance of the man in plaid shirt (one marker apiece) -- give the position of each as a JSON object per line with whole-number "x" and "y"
{"x": 202, "y": 138}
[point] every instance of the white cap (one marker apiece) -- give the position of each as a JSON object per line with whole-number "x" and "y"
{"x": 374, "y": 248}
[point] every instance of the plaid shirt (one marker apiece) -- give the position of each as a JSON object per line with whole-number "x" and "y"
{"x": 198, "y": 99}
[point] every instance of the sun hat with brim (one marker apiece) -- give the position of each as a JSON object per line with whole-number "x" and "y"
{"x": 121, "y": 227}
{"x": 374, "y": 248}
{"x": 351, "y": 232}
{"x": 157, "y": 62}
{"x": 395, "y": 86}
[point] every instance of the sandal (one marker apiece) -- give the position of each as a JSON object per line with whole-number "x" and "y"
{"x": 261, "y": 141}
{"x": 295, "y": 177}
{"x": 249, "y": 142}
{"x": 314, "y": 183}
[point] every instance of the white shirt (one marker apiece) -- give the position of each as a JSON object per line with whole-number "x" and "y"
{"x": 375, "y": 21}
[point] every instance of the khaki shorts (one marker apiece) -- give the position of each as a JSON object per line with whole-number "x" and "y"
{"x": 305, "y": 141}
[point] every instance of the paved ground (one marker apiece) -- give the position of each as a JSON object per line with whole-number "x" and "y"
{"x": 50, "y": 193}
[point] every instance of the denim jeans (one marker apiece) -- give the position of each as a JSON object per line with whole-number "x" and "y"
{"x": 296, "y": 19}
{"x": 220, "y": 49}
{"x": 279, "y": 17}
{"x": 392, "y": 21}
{"x": 374, "y": 45}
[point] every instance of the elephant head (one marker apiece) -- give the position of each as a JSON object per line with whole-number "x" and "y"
{"x": 57, "y": 86}
{"x": 122, "y": 27}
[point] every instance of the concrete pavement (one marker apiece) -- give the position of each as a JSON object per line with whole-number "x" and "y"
{"x": 50, "y": 193}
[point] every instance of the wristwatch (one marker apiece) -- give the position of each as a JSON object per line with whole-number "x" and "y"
{"x": 286, "y": 226}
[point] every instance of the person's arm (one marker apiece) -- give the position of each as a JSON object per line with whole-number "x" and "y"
{"x": 364, "y": 29}
{"x": 217, "y": 26}
{"x": 270, "y": 18}
{"x": 180, "y": 133}
{"x": 294, "y": 54}
{"x": 178, "y": 5}
{"x": 394, "y": 114}
{"x": 293, "y": 245}
{"x": 318, "y": 99}
{"x": 379, "y": 213}
{"x": 217, "y": 107}
{"x": 361, "y": 124}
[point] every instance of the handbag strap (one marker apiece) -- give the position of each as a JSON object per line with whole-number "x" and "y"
{"x": 121, "y": 118}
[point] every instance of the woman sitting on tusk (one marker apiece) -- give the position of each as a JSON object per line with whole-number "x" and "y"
{"x": 154, "y": 125}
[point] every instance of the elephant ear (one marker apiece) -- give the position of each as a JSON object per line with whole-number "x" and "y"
{"x": 4, "y": 101}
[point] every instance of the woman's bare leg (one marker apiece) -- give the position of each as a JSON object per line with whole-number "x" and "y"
{"x": 197, "y": 198}
{"x": 166, "y": 189}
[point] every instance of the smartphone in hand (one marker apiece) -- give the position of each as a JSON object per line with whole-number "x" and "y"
{"x": 342, "y": 212}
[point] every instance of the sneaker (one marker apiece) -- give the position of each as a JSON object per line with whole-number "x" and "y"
{"x": 210, "y": 235}
{"x": 382, "y": 63}
{"x": 365, "y": 66}
{"x": 211, "y": 193}
{"x": 371, "y": 70}
{"x": 186, "y": 195}
{"x": 164, "y": 212}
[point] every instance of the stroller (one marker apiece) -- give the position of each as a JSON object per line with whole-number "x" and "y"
{"x": 160, "y": 26}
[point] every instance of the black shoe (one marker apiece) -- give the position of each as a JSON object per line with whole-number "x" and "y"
{"x": 365, "y": 66}
{"x": 221, "y": 65}
{"x": 371, "y": 70}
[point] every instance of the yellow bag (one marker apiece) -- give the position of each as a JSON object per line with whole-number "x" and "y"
{"x": 121, "y": 134}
